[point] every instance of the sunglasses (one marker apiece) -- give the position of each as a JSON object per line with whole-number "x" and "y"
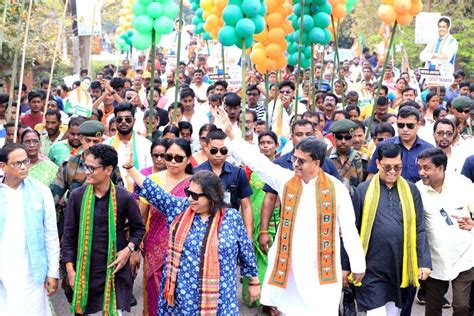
{"x": 252, "y": 94}
{"x": 387, "y": 168}
{"x": 465, "y": 111}
{"x": 447, "y": 218}
{"x": 156, "y": 156}
{"x": 380, "y": 139}
{"x": 445, "y": 134}
{"x": 341, "y": 137}
{"x": 409, "y": 125}
{"x": 91, "y": 169}
{"x": 285, "y": 91}
{"x": 195, "y": 196}
{"x": 297, "y": 160}
{"x": 177, "y": 158}
{"x": 223, "y": 150}
{"x": 127, "y": 119}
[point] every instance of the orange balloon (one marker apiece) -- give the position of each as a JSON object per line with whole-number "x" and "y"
{"x": 287, "y": 27}
{"x": 274, "y": 19}
{"x": 262, "y": 37}
{"x": 273, "y": 51}
{"x": 261, "y": 68}
{"x": 416, "y": 7}
{"x": 390, "y": 2}
{"x": 212, "y": 20}
{"x": 387, "y": 13}
{"x": 281, "y": 62}
{"x": 270, "y": 64}
{"x": 272, "y": 5}
{"x": 338, "y": 11}
{"x": 257, "y": 56}
{"x": 402, "y": 6}
{"x": 404, "y": 19}
{"x": 288, "y": 7}
{"x": 258, "y": 46}
{"x": 276, "y": 35}
{"x": 283, "y": 45}
{"x": 207, "y": 5}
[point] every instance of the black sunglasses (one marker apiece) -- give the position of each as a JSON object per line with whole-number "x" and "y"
{"x": 409, "y": 125}
{"x": 387, "y": 168}
{"x": 121, "y": 119}
{"x": 342, "y": 136}
{"x": 195, "y": 196}
{"x": 156, "y": 156}
{"x": 465, "y": 111}
{"x": 224, "y": 151}
{"x": 250, "y": 94}
{"x": 177, "y": 158}
{"x": 91, "y": 169}
{"x": 445, "y": 214}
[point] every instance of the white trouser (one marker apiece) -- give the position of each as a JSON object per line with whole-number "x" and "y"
{"x": 388, "y": 309}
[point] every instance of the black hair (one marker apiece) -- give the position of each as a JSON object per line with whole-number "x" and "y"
{"x": 381, "y": 100}
{"x": 270, "y": 134}
{"x": 185, "y": 125}
{"x": 209, "y": 127}
{"x": 9, "y": 148}
{"x": 329, "y": 94}
{"x": 359, "y": 125}
{"x": 407, "y": 111}
{"x": 352, "y": 94}
{"x": 401, "y": 79}
{"x": 430, "y": 95}
{"x": 353, "y": 107}
{"x": 186, "y": 147}
{"x": 116, "y": 83}
{"x": 55, "y": 113}
{"x": 178, "y": 105}
{"x": 83, "y": 72}
{"x": 211, "y": 187}
{"x": 445, "y": 20}
{"x": 215, "y": 98}
{"x": 125, "y": 107}
{"x": 106, "y": 154}
{"x": 310, "y": 114}
{"x": 301, "y": 122}
{"x": 186, "y": 93}
{"x": 122, "y": 71}
{"x": 34, "y": 94}
{"x": 210, "y": 88}
{"x": 408, "y": 89}
{"x": 221, "y": 83}
{"x": 436, "y": 155}
{"x": 345, "y": 113}
{"x": 232, "y": 99}
{"x": 384, "y": 127}
{"x": 96, "y": 85}
{"x": 10, "y": 124}
{"x": 215, "y": 134}
{"x": 444, "y": 121}
{"x": 286, "y": 83}
{"x": 171, "y": 129}
{"x": 156, "y": 116}
{"x": 199, "y": 70}
{"x": 437, "y": 112}
{"x": 27, "y": 131}
{"x": 253, "y": 87}
{"x": 3, "y": 98}
{"x": 254, "y": 115}
{"x": 388, "y": 150}
{"x": 463, "y": 84}
{"x": 315, "y": 147}
{"x": 76, "y": 121}
{"x": 386, "y": 116}
{"x": 159, "y": 142}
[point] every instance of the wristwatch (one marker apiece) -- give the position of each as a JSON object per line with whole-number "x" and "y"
{"x": 131, "y": 248}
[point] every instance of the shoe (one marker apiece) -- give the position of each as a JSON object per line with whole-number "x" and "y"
{"x": 446, "y": 303}
{"x": 133, "y": 301}
{"x": 349, "y": 309}
{"x": 421, "y": 297}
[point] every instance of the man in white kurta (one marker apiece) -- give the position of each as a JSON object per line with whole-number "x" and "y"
{"x": 20, "y": 294}
{"x": 304, "y": 295}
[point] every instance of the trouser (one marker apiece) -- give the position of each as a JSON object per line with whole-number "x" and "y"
{"x": 435, "y": 290}
{"x": 408, "y": 296}
{"x": 388, "y": 309}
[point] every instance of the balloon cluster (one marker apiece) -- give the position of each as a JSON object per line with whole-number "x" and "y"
{"x": 269, "y": 53}
{"x": 242, "y": 20}
{"x": 149, "y": 15}
{"x": 339, "y": 8}
{"x": 314, "y": 17}
{"x": 198, "y": 20}
{"x": 125, "y": 17}
{"x": 123, "y": 42}
{"x": 212, "y": 16}
{"x": 401, "y": 11}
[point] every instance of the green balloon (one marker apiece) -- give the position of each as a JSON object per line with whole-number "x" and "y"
{"x": 235, "y": 2}
{"x": 316, "y": 35}
{"x": 142, "y": 23}
{"x": 307, "y": 51}
{"x": 154, "y": 10}
{"x": 157, "y": 37}
{"x": 321, "y": 19}
{"x": 305, "y": 62}
{"x": 245, "y": 28}
{"x": 170, "y": 9}
{"x": 248, "y": 42}
{"x": 326, "y": 8}
{"x": 251, "y": 8}
{"x": 227, "y": 35}
{"x": 206, "y": 36}
{"x": 308, "y": 22}
{"x": 199, "y": 28}
{"x": 138, "y": 8}
{"x": 141, "y": 41}
{"x": 291, "y": 49}
{"x": 350, "y": 4}
{"x": 120, "y": 42}
{"x": 163, "y": 25}
{"x": 259, "y": 22}
{"x": 319, "y": 2}
{"x": 327, "y": 37}
{"x": 295, "y": 22}
{"x": 263, "y": 11}
{"x": 145, "y": 2}
{"x": 232, "y": 14}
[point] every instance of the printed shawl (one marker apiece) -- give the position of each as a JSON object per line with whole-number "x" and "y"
{"x": 326, "y": 223}
{"x": 371, "y": 201}
{"x": 81, "y": 282}
{"x": 209, "y": 265}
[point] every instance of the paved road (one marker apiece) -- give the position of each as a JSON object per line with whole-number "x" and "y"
{"x": 61, "y": 305}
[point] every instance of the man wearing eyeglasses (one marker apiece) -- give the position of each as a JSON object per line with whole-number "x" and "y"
{"x": 410, "y": 144}
{"x": 254, "y": 102}
{"x": 29, "y": 244}
{"x": 461, "y": 109}
{"x": 447, "y": 198}
{"x": 389, "y": 215}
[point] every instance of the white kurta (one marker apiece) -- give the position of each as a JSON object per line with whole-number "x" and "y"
{"x": 304, "y": 295}
{"x": 19, "y": 295}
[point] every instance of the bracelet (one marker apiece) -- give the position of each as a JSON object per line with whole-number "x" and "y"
{"x": 263, "y": 232}
{"x": 127, "y": 167}
{"x": 250, "y": 284}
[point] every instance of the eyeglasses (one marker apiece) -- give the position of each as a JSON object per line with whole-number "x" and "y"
{"x": 297, "y": 160}
{"x": 465, "y": 111}
{"x": 342, "y": 136}
{"x": 250, "y": 94}
{"x": 177, "y": 158}
{"x": 447, "y": 218}
{"x": 156, "y": 156}
{"x": 285, "y": 91}
{"x": 127, "y": 119}
{"x": 444, "y": 134}
{"x": 409, "y": 125}
{"x": 387, "y": 168}
{"x": 380, "y": 139}
{"x": 223, "y": 150}
{"x": 18, "y": 164}
{"x": 194, "y": 195}
{"x": 31, "y": 142}
{"x": 91, "y": 169}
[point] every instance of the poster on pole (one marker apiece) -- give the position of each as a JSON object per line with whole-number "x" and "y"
{"x": 88, "y": 18}
{"x": 426, "y": 26}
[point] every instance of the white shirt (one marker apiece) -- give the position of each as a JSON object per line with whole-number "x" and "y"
{"x": 303, "y": 294}
{"x": 273, "y": 114}
{"x": 452, "y": 249}
{"x": 459, "y": 154}
{"x": 201, "y": 91}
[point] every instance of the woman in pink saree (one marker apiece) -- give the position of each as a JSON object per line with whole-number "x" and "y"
{"x": 173, "y": 180}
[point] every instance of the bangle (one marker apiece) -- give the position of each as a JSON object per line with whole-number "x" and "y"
{"x": 251, "y": 284}
{"x": 263, "y": 232}
{"x": 127, "y": 167}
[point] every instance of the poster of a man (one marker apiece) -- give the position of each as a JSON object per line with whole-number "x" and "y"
{"x": 440, "y": 52}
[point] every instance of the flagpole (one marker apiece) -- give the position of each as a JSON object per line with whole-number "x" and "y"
{"x": 267, "y": 92}
{"x": 313, "y": 87}
{"x": 151, "y": 103}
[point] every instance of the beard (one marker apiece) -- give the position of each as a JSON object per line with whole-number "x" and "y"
{"x": 125, "y": 131}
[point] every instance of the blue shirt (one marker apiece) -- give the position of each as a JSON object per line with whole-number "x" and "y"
{"x": 234, "y": 181}
{"x": 285, "y": 161}
{"x": 410, "y": 169}
{"x": 468, "y": 168}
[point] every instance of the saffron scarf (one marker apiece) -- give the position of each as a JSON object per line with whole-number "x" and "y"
{"x": 326, "y": 223}
{"x": 371, "y": 201}
{"x": 81, "y": 282}
{"x": 209, "y": 264}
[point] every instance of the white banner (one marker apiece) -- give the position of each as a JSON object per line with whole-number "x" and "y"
{"x": 89, "y": 19}
{"x": 426, "y": 27}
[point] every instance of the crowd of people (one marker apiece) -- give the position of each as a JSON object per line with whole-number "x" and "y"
{"x": 339, "y": 193}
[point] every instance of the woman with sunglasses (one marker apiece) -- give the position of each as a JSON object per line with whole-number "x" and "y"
{"x": 206, "y": 243}
{"x": 200, "y": 157}
{"x": 172, "y": 157}
{"x": 40, "y": 167}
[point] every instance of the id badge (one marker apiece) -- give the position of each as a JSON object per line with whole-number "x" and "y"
{"x": 227, "y": 197}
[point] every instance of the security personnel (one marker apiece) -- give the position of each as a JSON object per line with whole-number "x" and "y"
{"x": 349, "y": 163}
{"x": 461, "y": 110}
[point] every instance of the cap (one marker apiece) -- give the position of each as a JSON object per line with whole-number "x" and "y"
{"x": 92, "y": 129}
{"x": 461, "y": 102}
{"x": 344, "y": 126}
{"x": 146, "y": 75}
